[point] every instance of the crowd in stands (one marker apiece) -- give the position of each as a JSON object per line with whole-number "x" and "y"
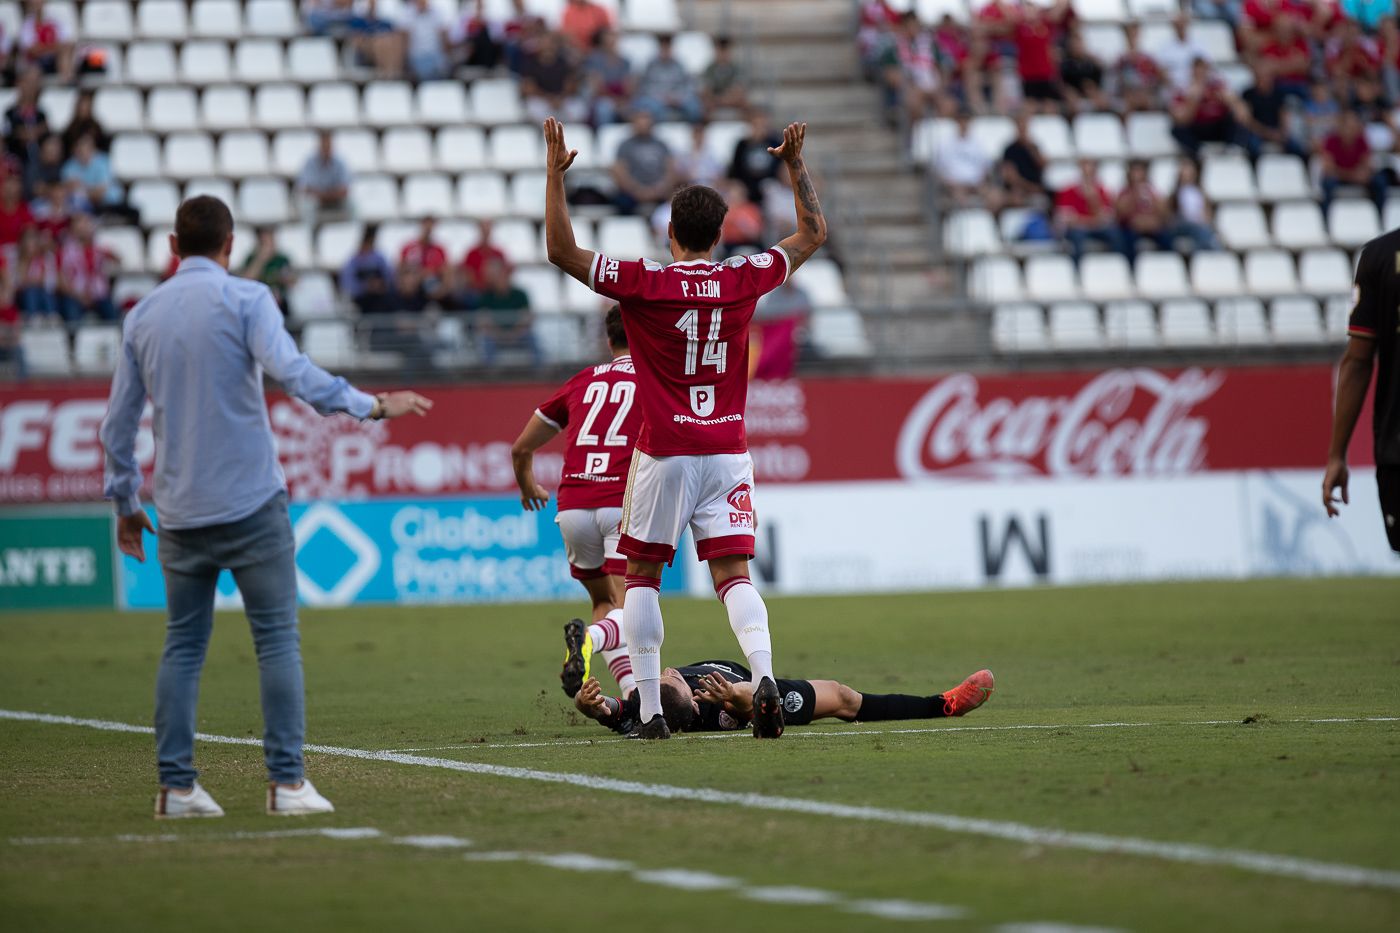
{"x": 1323, "y": 76}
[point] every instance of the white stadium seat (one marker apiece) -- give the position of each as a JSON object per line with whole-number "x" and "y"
{"x": 651, "y": 15}
{"x": 1129, "y": 324}
{"x": 244, "y": 153}
{"x": 1216, "y": 275}
{"x": 220, "y": 188}
{"x": 1186, "y": 323}
{"x": 1283, "y": 177}
{"x": 96, "y": 348}
{"x": 158, "y": 250}
{"x": 162, "y": 19}
{"x": 216, "y": 19}
{"x": 312, "y": 297}
{"x": 822, "y": 280}
{"x": 119, "y": 109}
{"x": 57, "y": 104}
{"x": 527, "y": 195}
{"x": 1110, "y": 11}
{"x": 126, "y": 243}
{"x": 258, "y": 61}
{"x": 1075, "y": 326}
{"x": 694, "y": 50}
{"x": 1106, "y": 277}
{"x": 205, "y": 62}
{"x": 330, "y": 343}
{"x": 1324, "y": 272}
{"x": 187, "y": 155}
{"x": 1270, "y": 272}
{"x": 1353, "y": 222}
{"x": 291, "y": 149}
{"x": 312, "y": 59}
{"x": 264, "y": 201}
{"x": 625, "y": 237}
{"x": 1099, "y": 136}
{"x": 1216, "y": 37}
{"x": 839, "y": 332}
{"x": 388, "y": 103}
{"x": 460, "y": 149}
{"x": 513, "y": 148}
{"x": 481, "y": 194}
{"x": 150, "y": 63}
{"x": 172, "y": 110}
{"x": 45, "y": 351}
{"x": 1161, "y": 275}
{"x": 995, "y": 279}
{"x": 1295, "y": 320}
{"x": 336, "y": 242}
{"x": 1104, "y": 41}
{"x": 357, "y": 148}
{"x": 226, "y": 107}
{"x": 1051, "y": 278}
{"x": 971, "y": 232}
{"x": 279, "y": 106}
{"x": 406, "y": 150}
{"x": 427, "y": 195}
{"x": 1228, "y": 178}
{"x": 135, "y": 155}
{"x": 441, "y": 103}
{"x": 1051, "y": 133}
{"x": 1019, "y": 328}
{"x": 1298, "y": 225}
{"x": 333, "y": 104}
{"x": 542, "y": 284}
{"x": 106, "y": 20}
{"x": 156, "y": 199}
{"x": 277, "y": 18}
{"x": 1241, "y": 226}
{"x": 992, "y": 133}
{"x": 1150, "y": 135}
{"x": 518, "y": 240}
{"x": 376, "y": 197}
{"x": 1241, "y": 321}
{"x": 1337, "y": 317}
{"x": 496, "y": 100}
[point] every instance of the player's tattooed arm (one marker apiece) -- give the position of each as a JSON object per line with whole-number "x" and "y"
{"x": 811, "y": 223}
{"x": 564, "y": 251}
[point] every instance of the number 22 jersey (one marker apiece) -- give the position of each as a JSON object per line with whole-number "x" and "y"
{"x": 597, "y": 412}
{"x": 688, "y": 329}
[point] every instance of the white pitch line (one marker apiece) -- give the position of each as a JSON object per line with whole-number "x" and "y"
{"x": 838, "y": 733}
{"x": 1264, "y": 863}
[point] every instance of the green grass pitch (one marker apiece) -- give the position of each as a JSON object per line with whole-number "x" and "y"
{"x": 479, "y": 684}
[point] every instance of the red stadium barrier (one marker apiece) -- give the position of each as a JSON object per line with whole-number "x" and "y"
{"x": 1120, "y": 422}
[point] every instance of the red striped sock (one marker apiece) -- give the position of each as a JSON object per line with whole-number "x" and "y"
{"x": 606, "y": 633}
{"x": 639, "y": 579}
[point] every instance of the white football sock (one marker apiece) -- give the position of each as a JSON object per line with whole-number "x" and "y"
{"x": 641, "y": 623}
{"x": 748, "y": 617}
{"x": 606, "y": 633}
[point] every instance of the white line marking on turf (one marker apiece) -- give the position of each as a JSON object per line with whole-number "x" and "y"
{"x": 360, "y": 832}
{"x": 1284, "y": 866}
{"x": 432, "y": 842}
{"x": 844, "y": 733}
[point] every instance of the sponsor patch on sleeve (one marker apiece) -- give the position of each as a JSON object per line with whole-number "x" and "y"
{"x": 761, "y": 260}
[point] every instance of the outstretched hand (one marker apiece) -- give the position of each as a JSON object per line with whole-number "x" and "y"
{"x": 790, "y": 149}
{"x": 589, "y": 699}
{"x": 405, "y": 402}
{"x": 558, "y": 157}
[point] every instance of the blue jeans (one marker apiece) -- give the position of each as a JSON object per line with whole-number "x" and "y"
{"x": 260, "y": 552}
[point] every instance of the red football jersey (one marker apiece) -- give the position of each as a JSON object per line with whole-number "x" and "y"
{"x": 596, "y": 409}
{"x": 688, "y": 328}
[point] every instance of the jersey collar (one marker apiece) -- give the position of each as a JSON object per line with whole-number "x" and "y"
{"x": 695, "y": 262}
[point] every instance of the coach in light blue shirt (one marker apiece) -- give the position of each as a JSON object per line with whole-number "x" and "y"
{"x": 197, "y": 347}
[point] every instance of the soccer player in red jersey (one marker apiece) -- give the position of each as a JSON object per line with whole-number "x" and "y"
{"x": 688, "y": 325}
{"x": 598, "y": 414}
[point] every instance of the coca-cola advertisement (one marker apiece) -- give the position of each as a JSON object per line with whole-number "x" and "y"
{"x": 1130, "y": 422}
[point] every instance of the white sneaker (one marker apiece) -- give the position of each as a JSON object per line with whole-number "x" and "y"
{"x": 172, "y": 805}
{"x": 283, "y": 801}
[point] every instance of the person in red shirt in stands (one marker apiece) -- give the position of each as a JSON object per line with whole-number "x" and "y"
{"x": 582, "y": 20}
{"x": 15, "y": 215}
{"x": 45, "y": 42}
{"x": 477, "y": 258}
{"x": 1084, "y": 211}
{"x": 85, "y": 274}
{"x": 430, "y": 259}
{"x": 1290, "y": 55}
{"x": 1038, "y": 60}
{"x": 1205, "y": 112}
{"x": 9, "y": 319}
{"x": 1346, "y": 160}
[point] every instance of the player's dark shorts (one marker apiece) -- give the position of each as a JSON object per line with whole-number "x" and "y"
{"x": 799, "y": 701}
{"x": 1388, "y": 479}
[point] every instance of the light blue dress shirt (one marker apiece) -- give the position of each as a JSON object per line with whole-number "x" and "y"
{"x": 198, "y": 346}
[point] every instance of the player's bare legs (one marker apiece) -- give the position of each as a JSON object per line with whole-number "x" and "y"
{"x": 641, "y": 625}
{"x": 748, "y": 617}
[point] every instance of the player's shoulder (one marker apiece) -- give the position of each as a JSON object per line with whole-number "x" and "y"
{"x": 763, "y": 260}
{"x": 1381, "y": 254}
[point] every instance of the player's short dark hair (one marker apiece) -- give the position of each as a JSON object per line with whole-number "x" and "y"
{"x": 617, "y": 334}
{"x": 203, "y": 225}
{"x": 697, "y": 214}
{"x": 676, "y": 707}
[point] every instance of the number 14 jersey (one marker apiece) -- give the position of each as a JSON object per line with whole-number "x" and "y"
{"x": 688, "y": 329}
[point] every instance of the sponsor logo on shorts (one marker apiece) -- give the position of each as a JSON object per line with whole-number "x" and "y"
{"x": 793, "y": 701}
{"x": 741, "y": 505}
{"x": 761, "y": 260}
{"x": 727, "y": 721}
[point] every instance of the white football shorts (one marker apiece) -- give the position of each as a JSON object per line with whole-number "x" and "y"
{"x": 713, "y": 494}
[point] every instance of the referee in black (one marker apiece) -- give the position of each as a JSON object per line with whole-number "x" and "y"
{"x": 1373, "y": 343}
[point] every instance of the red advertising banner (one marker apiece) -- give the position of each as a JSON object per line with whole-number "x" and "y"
{"x": 1118, "y": 422}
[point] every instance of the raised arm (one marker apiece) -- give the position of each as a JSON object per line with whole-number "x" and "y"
{"x": 536, "y": 433}
{"x": 811, "y": 225}
{"x": 564, "y": 251}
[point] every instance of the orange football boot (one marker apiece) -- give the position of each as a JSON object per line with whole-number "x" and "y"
{"x": 970, "y": 694}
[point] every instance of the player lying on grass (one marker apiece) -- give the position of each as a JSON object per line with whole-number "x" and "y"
{"x": 713, "y": 696}
{"x": 596, "y": 411}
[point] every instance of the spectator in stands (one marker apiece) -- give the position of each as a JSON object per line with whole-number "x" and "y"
{"x": 429, "y": 261}
{"x": 85, "y": 275}
{"x": 582, "y": 20}
{"x": 964, "y": 165}
{"x": 25, "y": 122}
{"x": 549, "y": 81}
{"x": 1227, "y": 10}
{"x": 723, "y": 84}
{"x": 1290, "y": 56}
{"x": 1320, "y": 113}
{"x": 477, "y": 42}
{"x": 1370, "y": 14}
{"x": 15, "y": 215}
{"x": 752, "y": 164}
{"x": 1142, "y": 212}
{"x": 36, "y": 275}
{"x": 11, "y": 351}
{"x": 1388, "y": 41}
{"x": 1264, "y": 116}
{"x": 366, "y": 277}
{"x": 1190, "y": 209}
{"x": 44, "y": 42}
{"x": 1081, "y": 75}
{"x": 1023, "y": 166}
{"x": 1084, "y": 211}
{"x": 1204, "y": 111}
{"x": 1353, "y": 63}
{"x": 269, "y": 265}
{"x": 503, "y": 320}
{"x": 376, "y": 42}
{"x": 1346, "y": 160}
{"x": 46, "y": 170}
{"x": 425, "y": 38}
{"x": 7, "y": 75}
{"x": 520, "y": 31}
{"x": 742, "y": 231}
{"x": 84, "y": 123}
{"x": 644, "y": 171}
{"x": 666, "y": 90}
{"x": 1137, "y": 78}
{"x": 88, "y": 173}
{"x": 324, "y": 183}
{"x": 698, "y": 165}
{"x": 607, "y": 79}
{"x": 1036, "y": 60}
{"x": 1177, "y": 56}
{"x": 326, "y": 16}
{"x": 472, "y": 273}
{"x": 920, "y": 81}
{"x": 53, "y": 211}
